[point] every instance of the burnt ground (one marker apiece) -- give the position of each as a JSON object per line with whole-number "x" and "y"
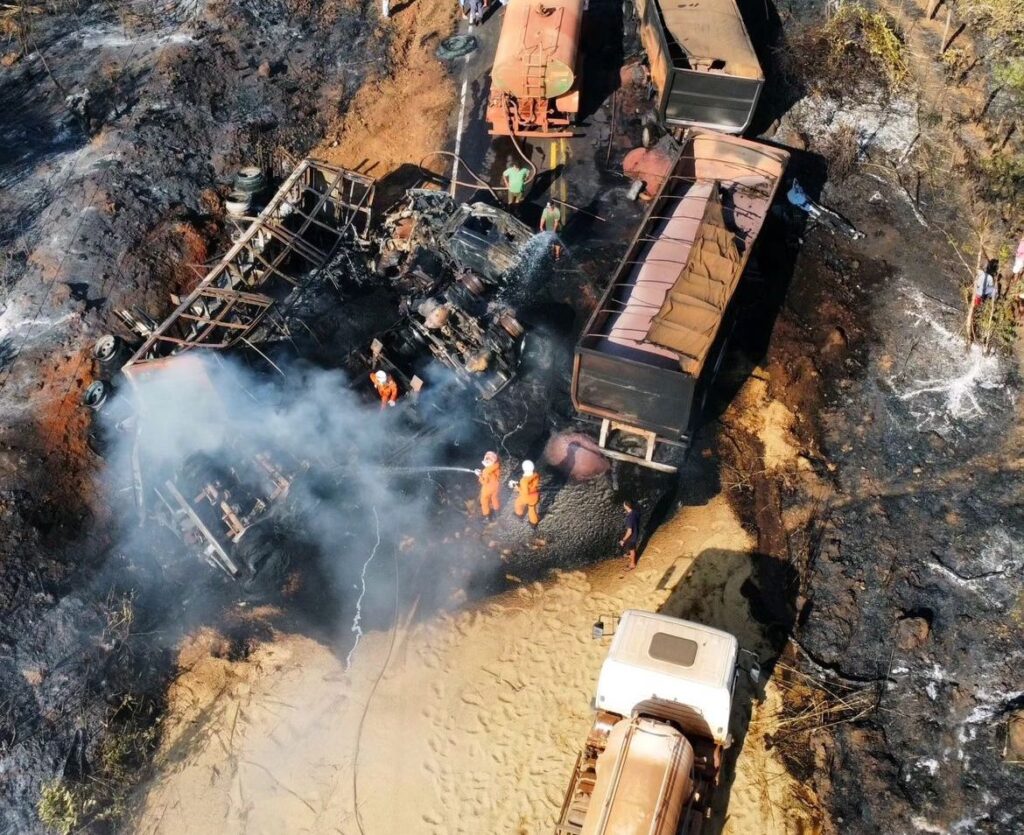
{"x": 907, "y": 538}
{"x": 908, "y": 568}
{"x": 113, "y": 205}
{"x": 106, "y": 205}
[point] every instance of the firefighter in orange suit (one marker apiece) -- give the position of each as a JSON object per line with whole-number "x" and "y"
{"x": 386, "y": 387}
{"x": 490, "y": 484}
{"x": 529, "y": 493}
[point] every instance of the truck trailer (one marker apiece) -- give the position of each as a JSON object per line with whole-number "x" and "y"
{"x": 653, "y": 755}
{"x": 648, "y": 355}
{"x": 703, "y": 67}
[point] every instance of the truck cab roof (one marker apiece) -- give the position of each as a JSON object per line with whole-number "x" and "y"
{"x": 660, "y": 660}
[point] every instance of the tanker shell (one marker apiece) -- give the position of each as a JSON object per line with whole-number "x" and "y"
{"x": 537, "y": 50}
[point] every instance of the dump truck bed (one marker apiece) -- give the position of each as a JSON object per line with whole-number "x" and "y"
{"x": 702, "y": 63}
{"x": 644, "y": 353}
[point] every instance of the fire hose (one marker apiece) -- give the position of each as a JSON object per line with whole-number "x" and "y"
{"x": 481, "y": 183}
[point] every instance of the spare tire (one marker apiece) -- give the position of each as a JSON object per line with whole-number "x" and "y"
{"x": 455, "y": 47}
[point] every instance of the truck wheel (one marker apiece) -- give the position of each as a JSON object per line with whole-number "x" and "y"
{"x": 472, "y": 283}
{"x": 97, "y": 394}
{"x": 107, "y": 349}
{"x": 510, "y": 324}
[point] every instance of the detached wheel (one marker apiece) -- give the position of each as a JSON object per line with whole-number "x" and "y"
{"x": 455, "y": 47}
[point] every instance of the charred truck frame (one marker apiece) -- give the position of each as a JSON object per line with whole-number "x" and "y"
{"x": 651, "y": 349}
{"x": 534, "y": 84}
{"x": 704, "y": 70}
{"x": 316, "y": 209}
{"x": 451, "y": 262}
{"x": 214, "y": 505}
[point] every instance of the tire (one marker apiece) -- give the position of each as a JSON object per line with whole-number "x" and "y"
{"x": 510, "y": 324}
{"x": 455, "y": 47}
{"x": 106, "y": 349}
{"x": 97, "y": 394}
{"x": 472, "y": 284}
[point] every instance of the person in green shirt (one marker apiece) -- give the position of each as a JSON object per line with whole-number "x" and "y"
{"x": 515, "y": 178}
{"x": 551, "y": 221}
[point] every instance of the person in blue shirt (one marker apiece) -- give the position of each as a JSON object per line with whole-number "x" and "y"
{"x": 631, "y": 538}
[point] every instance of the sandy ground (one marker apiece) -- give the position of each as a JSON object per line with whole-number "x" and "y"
{"x": 477, "y": 716}
{"x": 401, "y": 116}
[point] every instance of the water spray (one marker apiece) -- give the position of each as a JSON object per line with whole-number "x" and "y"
{"x": 357, "y": 619}
{"x": 428, "y": 470}
{"x": 384, "y": 468}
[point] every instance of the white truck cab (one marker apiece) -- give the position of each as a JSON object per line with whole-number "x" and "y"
{"x": 663, "y": 659}
{"x": 652, "y": 757}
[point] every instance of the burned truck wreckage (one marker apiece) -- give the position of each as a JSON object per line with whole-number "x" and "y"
{"x": 220, "y": 506}
{"x": 451, "y": 264}
{"x": 232, "y": 505}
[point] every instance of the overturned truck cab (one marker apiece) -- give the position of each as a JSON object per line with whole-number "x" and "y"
{"x": 451, "y": 262}
{"x": 651, "y": 349}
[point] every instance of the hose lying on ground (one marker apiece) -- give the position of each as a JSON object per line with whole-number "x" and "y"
{"x": 481, "y": 183}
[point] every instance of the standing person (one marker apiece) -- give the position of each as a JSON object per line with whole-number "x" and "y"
{"x": 386, "y": 387}
{"x": 514, "y": 177}
{"x": 551, "y": 221}
{"x": 490, "y": 484}
{"x": 631, "y": 538}
{"x": 985, "y": 287}
{"x": 529, "y": 493}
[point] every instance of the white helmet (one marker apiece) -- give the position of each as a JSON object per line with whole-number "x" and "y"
{"x": 489, "y": 458}
{"x": 527, "y": 468}
{"x": 381, "y": 377}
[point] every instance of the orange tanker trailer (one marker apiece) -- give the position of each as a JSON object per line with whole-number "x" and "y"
{"x": 534, "y": 89}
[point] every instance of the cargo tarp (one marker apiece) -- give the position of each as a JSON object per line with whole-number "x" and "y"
{"x": 688, "y": 320}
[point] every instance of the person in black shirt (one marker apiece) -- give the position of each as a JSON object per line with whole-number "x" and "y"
{"x": 631, "y": 538}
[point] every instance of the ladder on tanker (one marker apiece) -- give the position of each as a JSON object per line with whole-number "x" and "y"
{"x": 538, "y": 53}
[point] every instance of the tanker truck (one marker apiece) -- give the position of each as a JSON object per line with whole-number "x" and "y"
{"x": 534, "y": 84}
{"x": 653, "y": 755}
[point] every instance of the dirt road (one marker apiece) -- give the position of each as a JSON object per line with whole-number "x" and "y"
{"x": 466, "y": 723}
